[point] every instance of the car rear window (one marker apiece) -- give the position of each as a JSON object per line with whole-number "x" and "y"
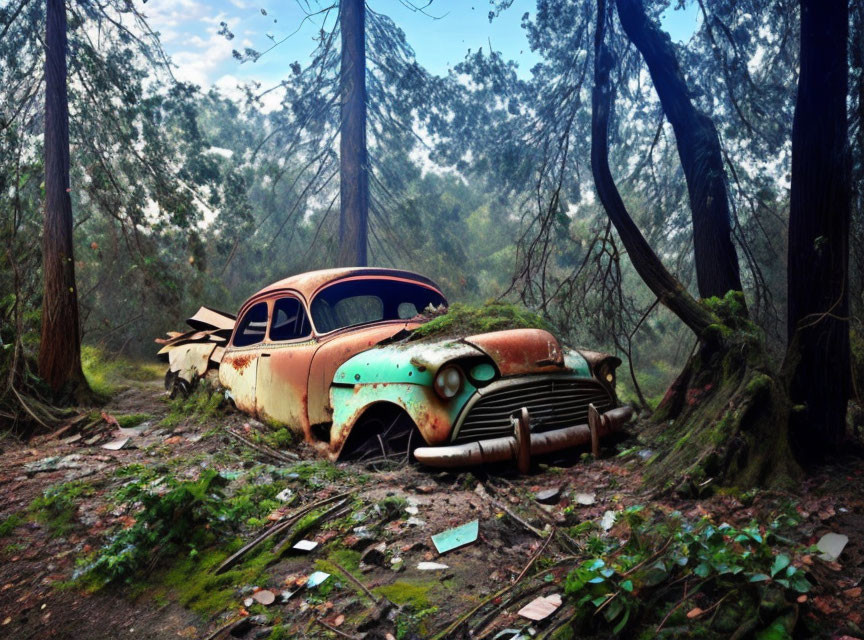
{"x": 356, "y": 302}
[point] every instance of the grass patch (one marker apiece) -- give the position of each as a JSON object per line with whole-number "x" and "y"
{"x": 465, "y": 319}
{"x": 404, "y": 593}
{"x": 202, "y": 405}
{"x": 9, "y": 524}
{"x": 132, "y": 420}
{"x": 107, "y": 374}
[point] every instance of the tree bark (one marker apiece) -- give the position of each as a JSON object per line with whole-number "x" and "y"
{"x": 353, "y": 155}
{"x": 717, "y": 269}
{"x": 819, "y": 213}
{"x": 649, "y": 267}
{"x": 60, "y": 347}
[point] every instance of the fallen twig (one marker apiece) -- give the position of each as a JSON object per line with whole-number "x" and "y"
{"x": 277, "y": 551}
{"x": 341, "y": 634}
{"x": 282, "y": 456}
{"x": 517, "y": 519}
{"x": 277, "y": 527}
{"x": 372, "y": 596}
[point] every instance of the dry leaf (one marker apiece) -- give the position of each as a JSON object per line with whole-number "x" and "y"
{"x": 695, "y": 612}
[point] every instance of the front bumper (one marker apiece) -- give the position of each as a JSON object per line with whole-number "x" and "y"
{"x": 523, "y": 444}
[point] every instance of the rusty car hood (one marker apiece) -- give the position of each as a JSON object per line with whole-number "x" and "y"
{"x": 514, "y": 352}
{"x": 521, "y": 351}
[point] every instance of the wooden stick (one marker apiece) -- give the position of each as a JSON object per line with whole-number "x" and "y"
{"x": 372, "y": 596}
{"x": 276, "y": 528}
{"x": 341, "y": 634}
{"x": 282, "y": 456}
{"x": 517, "y": 519}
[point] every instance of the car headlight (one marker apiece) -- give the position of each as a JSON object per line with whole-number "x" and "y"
{"x": 448, "y": 382}
{"x": 606, "y": 372}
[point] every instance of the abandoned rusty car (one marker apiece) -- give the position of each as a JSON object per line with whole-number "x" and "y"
{"x": 333, "y": 355}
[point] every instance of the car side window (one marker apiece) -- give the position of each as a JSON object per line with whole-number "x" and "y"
{"x": 289, "y": 320}
{"x": 252, "y": 326}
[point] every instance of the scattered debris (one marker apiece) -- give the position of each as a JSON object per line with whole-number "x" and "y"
{"x": 456, "y": 537}
{"x": 831, "y": 545}
{"x": 541, "y": 608}
{"x": 316, "y": 578}
{"x": 116, "y": 445}
{"x": 548, "y": 496}
{"x": 265, "y": 597}
{"x": 608, "y": 520}
{"x": 431, "y": 566}
{"x": 305, "y": 545}
{"x": 585, "y": 499}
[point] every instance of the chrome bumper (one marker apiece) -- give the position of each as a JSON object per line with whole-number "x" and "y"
{"x": 523, "y": 444}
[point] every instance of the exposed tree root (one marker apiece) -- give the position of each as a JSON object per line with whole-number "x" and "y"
{"x": 725, "y": 419}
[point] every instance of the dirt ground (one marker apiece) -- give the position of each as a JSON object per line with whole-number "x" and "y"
{"x": 524, "y": 550}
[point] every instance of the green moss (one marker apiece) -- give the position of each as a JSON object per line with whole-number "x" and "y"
{"x": 108, "y": 373}
{"x": 464, "y": 319}
{"x": 201, "y": 406}
{"x": 131, "y": 420}
{"x": 57, "y": 506}
{"x": 405, "y": 593}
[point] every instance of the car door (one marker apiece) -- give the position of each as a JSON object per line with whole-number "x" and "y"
{"x": 283, "y": 369}
{"x": 238, "y": 371}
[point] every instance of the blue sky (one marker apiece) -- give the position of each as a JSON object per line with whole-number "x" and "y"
{"x": 190, "y": 36}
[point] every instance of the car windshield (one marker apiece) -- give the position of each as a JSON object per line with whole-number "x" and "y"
{"x": 346, "y": 304}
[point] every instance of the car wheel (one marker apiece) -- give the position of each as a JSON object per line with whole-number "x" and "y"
{"x": 383, "y": 434}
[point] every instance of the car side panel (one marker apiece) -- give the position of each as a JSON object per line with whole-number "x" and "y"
{"x": 283, "y": 370}
{"x": 434, "y": 418}
{"x": 335, "y": 349}
{"x": 238, "y": 373}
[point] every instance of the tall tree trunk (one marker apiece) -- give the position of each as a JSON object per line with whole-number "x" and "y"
{"x": 728, "y": 416}
{"x": 717, "y": 268}
{"x": 353, "y": 156}
{"x": 818, "y": 277}
{"x": 60, "y": 348}
{"x": 649, "y": 267}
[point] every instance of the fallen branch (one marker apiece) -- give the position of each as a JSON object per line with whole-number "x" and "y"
{"x": 341, "y": 634}
{"x": 280, "y": 548}
{"x": 282, "y": 456}
{"x": 517, "y": 519}
{"x": 372, "y": 596}
{"x": 277, "y": 527}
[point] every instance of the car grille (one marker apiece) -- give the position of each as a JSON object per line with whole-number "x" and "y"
{"x": 552, "y": 404}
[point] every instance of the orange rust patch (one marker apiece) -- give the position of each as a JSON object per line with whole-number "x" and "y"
{"x": 241, "y": 362}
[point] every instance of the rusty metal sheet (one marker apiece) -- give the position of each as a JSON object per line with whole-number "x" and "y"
{"x": 433, "y": 419}
{"x": 238, "y": 373}
{"x": 191, "y": 360}
{"x": 207, "y": 318}
{"x": 283, "y": 371}
{"x": 521, "y": 351}
{"x": 333, "y": 351}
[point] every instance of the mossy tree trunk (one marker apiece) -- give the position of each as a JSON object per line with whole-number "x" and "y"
{"x": 725, "y": 420}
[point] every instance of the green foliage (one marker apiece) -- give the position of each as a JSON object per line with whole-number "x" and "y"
{"x": 728, "y": 568}
{"x": 9, "y": 524}
{"x": 466, "y": 319}
{"x": 183, "y": 518}
{"x": 57, "y": 506}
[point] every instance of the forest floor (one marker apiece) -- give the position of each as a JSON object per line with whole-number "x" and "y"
{"x": 83, "y": 553}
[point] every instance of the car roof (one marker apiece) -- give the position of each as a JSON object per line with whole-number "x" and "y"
{"x": 308, "y": 283}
